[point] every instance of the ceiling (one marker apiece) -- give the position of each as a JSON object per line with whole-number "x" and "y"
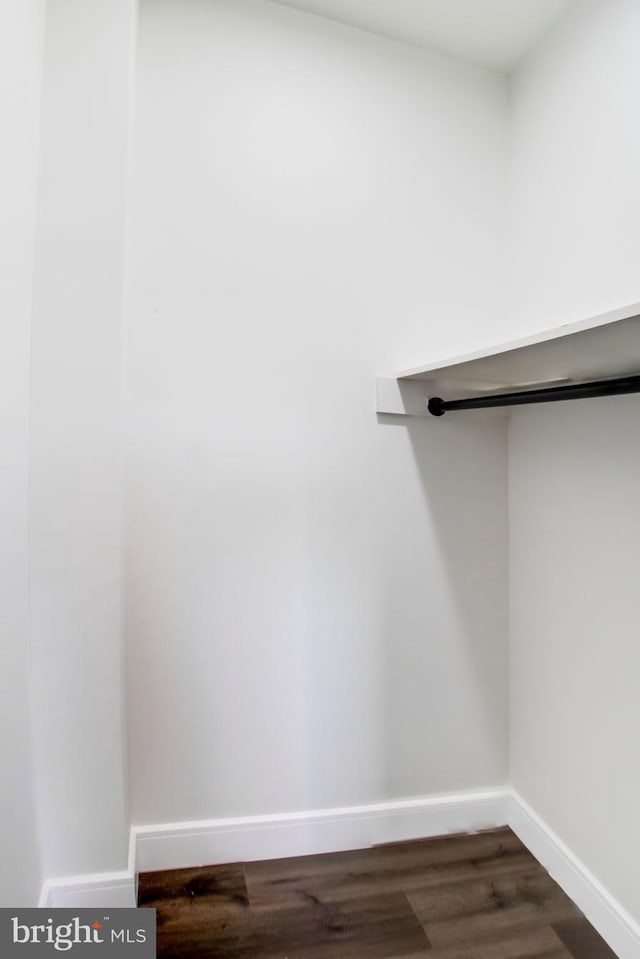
{"x": 493, "y": 33}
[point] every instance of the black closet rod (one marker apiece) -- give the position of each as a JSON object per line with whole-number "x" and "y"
{"x": 548, "y": 394}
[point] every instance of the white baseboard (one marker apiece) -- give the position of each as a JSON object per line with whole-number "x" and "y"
{"x": 177, "y": 845}
{"x": 185, "y": 844}
{"x": 614, "y": 924}
{"x": 104, "y": 890}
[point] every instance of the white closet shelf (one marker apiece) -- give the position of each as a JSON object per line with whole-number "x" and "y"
{"x": 599, "y": 348}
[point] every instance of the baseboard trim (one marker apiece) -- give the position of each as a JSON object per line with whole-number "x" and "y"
{"x": 178, "y": 845}
{"x": 614, "y": 923}
{"x": 186, "y": 844}
{"x": 103, "y": 890}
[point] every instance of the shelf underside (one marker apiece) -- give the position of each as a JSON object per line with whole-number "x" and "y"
{"x": 603, "y": 347}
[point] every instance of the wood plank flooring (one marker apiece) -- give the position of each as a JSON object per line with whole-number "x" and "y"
{"x": 482, "y": 896}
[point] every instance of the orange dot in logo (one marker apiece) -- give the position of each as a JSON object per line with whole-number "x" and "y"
{"x": 97, "y": 925}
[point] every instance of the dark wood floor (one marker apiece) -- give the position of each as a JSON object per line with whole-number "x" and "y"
{"x": 460, "y": 897}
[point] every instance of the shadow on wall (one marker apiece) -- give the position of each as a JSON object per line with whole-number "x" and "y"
{"x": 327, "y": 630}
{"x": 446, "y": 671}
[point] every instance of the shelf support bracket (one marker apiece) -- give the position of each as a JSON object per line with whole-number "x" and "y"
{"x": 401, "y": 397}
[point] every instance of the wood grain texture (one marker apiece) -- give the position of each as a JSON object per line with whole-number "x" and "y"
{"x": 539, "y": 942}
{"x": 482, "y": 896}
{"x": 581, "y": 939}
{"x": 396, "y": 867}
{"x": 472, "y": 909}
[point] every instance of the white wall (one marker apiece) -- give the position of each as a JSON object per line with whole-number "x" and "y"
{"x": 575, "y": 523}
{"x": 316, "y": 601}
{"x": 574, "y": 160}
{"x": 75, "y": 482}
{"x": 575, "y": 468}
{"x": 21, "y": 36}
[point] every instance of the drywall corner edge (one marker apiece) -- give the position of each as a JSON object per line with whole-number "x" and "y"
{"x": 43, "y": 901}
{"x": 603, "y": 911}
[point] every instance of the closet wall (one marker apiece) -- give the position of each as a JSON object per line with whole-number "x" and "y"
{"x": 21, "y": 40}
{"x": 75, "y": 530}
{"x": 575, "y": 468}
{"x": 316, "y": 601}
{"x": 574, "y": 145}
